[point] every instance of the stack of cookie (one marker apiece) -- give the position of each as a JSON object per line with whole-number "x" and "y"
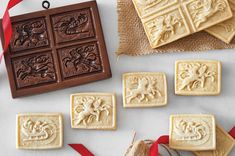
{"x": 197, "y": 133}
{"x": 169, "y": 20}
{"x": 200, "y": 134}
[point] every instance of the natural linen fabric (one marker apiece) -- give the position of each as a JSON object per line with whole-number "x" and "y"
{"x": 134, "y": 42}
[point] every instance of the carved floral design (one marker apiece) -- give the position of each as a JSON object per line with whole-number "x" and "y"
{"x": 161, "y": 28}
{"x": 201, "y": 10}
{"x": 143, "y": 88}
{"x": 192, "y": 131}
{"x": 87, "y": 109}
{"x": 39, "y": 131}
{"x": 29, "y": 34}
{"x": 195, "y": 75}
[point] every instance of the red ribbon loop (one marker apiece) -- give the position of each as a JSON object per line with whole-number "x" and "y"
{"x": 81, "y": 149}
{"x": 154, "y": 148}
{"x": 232, "y": 132}
{"x": 6, "y": 25}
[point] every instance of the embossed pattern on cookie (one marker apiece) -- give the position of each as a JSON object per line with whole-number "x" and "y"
{"x": 29, "y": 34}
{"x": 31, "y": 70}
{"x": 197, "y": 77}
{"x": 224, "y": 144}
{"x": 73, "y": 26}
{"x": 39, "y": 131}
{"x": 144, "y": 89}
{"x": 224, "y": 31}
{"x": 93, "y": 111}
{"x": 165, "y": 21}
{"x": 166, "y": 27}
{"x": 192, "y": 132}
{"x": 80, "y": 59}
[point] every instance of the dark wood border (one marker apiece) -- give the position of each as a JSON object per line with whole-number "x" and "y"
{"x": 60, "y": 84}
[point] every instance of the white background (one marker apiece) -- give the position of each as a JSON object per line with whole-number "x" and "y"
{"x": 148, "y": 123}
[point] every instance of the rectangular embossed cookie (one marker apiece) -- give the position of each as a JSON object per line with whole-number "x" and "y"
{"x": 224, "y": 31}
{"x": 192, "y": 132}
{"x": 197, "y": 77}
{"x": 144, "y": 89}
{"x": 165, "y": 21}
{"x": 224, "y": 144}
{"x": 93, "y": 111}
{"x": 39, "y": 131}
{"x": 55, "y": 49}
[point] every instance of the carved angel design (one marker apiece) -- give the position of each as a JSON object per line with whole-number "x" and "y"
{"x": 143, "y": 89}
{"x": 163, "y": 27}
{"x": 195, "y": 75}
{"x": 82, "y": 58}
{"x": 88, "y": 108}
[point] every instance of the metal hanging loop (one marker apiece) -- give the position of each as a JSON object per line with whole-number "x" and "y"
{"x": 46, "y": 4}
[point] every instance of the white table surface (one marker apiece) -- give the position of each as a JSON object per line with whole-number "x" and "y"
{"x": 148, "y": 123}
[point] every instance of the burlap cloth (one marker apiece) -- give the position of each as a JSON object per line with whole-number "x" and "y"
{"x": 134, "y": 42}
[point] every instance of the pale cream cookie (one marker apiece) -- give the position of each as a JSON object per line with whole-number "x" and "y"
{"x": 197, "y": 77}
{"x": 224, "y": 31}
{"x": 224, "y": 144}
{"x": 39, "y": 130}
{"x": 93, "y": 111}
{"x": 192, "y": 132}
{"x": 165, "y": 21}
{"x": 144, "y": 89}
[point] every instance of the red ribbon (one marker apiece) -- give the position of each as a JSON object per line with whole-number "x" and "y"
{"x": 232, "y": 132}
{"x": 6, "y": 25}
{"x": 81, "y": 149}
{"x": 165, "y": 140}
{"x": 154, "y": 148}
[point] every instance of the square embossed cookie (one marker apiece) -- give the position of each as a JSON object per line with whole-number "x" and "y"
{"x": 224, "y": 31}
{"x": 144, "y": 89}
{"x": 39, "y": 131}
{"x": 93, "y": 111}
{"x": 224, "y": 144}
{"x": 165, "y": 21}
{"x": 192, "y": 132}
{"x": 197, "y": 77}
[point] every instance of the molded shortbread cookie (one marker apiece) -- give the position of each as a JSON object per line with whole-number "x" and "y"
{"x": 224, "y": 144}
{"x": 39, "y": 131}
{"x": 93, "y": 111}
{"x": 144, "y": 89}
{"x": 165, "y": 21}
{"x": 224, "y": 31}
{"x": 197, "y": 77}
{"x": 192, "y": 132}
